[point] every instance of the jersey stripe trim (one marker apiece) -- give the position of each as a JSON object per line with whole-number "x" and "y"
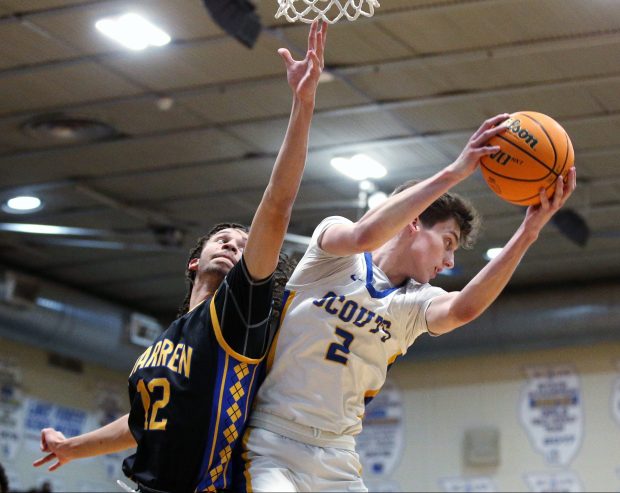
{"x": 250, "y": 388}
{"x": 392, "y": 359}
{"x": 248, "y": 277}
{"x": 371, "y": 393}
{"x": 369, "y": 278}
{"x": 219, "y": 411}
{"x": 222, "y": 342}
{"x": 287, "y": 299}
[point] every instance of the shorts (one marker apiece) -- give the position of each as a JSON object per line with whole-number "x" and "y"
{"x": 272, "y": 462}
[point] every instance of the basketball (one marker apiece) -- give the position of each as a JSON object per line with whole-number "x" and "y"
{"x": 534, "y": 151}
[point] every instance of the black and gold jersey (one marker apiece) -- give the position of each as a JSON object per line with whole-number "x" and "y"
{"x": 191, "y": 391}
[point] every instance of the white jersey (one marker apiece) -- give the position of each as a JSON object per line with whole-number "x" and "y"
{"x": 343, "y": 325}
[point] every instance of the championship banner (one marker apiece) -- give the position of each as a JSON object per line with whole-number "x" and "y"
{"x": 380, "y": 444}
{"x": 11, "y": 409}
{"x": 382, "y": 485}
{"x": 50, "y": 483}
{"x": 110, "y": 407}
{"x": 467, "y": 485}
{"x": 92, "y": 487}
{"x": 565, "y": 481}
{"x": 15, "y": 483}
{"x": 41, "y": 414}
{"x": 551, "y": 412}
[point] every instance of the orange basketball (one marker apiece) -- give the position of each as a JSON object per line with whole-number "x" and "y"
{"x": 534, "y": 151}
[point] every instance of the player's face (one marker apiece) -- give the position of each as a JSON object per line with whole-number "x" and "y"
{"x": 222, "y": 251}
{"x": 433, "y": 249}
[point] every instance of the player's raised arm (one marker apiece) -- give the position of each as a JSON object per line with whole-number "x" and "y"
{"x": 273, "y": 214}
{"x": 457, "y": 308}
{"x": 382, "y": 223}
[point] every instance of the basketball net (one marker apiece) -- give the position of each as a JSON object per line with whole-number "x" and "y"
{"x": 329, "y": 11}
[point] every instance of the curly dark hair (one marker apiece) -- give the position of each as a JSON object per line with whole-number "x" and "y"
{"x": 450, "y": 205}
{"x": 283, "y": 271}
{"x": 4, "y": 481}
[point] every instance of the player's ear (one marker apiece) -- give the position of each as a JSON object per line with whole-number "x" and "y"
{"x": 415, "y": 225}
{"x": 193, "y": 264}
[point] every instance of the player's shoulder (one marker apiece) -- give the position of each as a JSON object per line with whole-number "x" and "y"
{"x": 413, "y": 290}
{"x": 327, "y": 223}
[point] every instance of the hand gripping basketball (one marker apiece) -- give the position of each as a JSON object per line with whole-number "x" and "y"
{"x": 533, "y": 153}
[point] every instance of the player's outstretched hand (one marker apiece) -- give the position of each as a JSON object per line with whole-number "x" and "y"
{"x": 303, "y": 75}
{"x": 53, "y": 442}
{"x": 539, "y": 215}
{"x": 477, "y": 147}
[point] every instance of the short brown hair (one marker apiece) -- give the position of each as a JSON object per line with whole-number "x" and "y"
{"x": 450, "y": 205}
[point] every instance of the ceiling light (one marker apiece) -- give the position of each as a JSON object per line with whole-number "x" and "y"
{"x": 37, "y": 229}
{"x": 376, "y": 199}
{"x": 132, "y": 31}
{"x": 22, "y": 204}
{"x": 492, "y": 253}
{"x": 367, "y": 186}
{"x": 67, "y": 128}
{"x": 326, "y": 76}
{"x": 46, "y": 229}
{"x": 359, "y": 167}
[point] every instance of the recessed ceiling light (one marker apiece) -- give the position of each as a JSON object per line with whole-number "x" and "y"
{"x": 22, "y": 205}
{"x": 492, "y": 253}
{"x": 326, "y": 76}
{"x": 359, "y": 167}
{"x": 376, "y": 199}
{"x": 60, "y": 127}
{"x": 132, "y": 31}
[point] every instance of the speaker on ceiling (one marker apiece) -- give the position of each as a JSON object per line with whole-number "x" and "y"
{"x": 237, "y": 17}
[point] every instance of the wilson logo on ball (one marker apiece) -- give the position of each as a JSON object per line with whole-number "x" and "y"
{"x": 503, "y": 158}
{"x": 534, "y": 151}
{"x": 515, "y": 128}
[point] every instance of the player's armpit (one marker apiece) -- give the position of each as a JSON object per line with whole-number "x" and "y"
{"x": 444, "y": 314}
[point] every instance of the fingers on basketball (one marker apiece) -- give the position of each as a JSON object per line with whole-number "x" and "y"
{"x": 489, "y": 123}
{"x": 534, "y": 150}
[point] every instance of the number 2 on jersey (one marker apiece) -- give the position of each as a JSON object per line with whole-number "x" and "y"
{"x": 334, "y": 349}
{"x": 145, "y": 395}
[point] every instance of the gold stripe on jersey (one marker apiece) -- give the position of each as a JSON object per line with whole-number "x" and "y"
{"x": 247, "y": 402}
{"x": 231, "y": 434}
{"x": 219, "y": 410}
{"x": 222, "y": 342}
{"x": 371, "y": 393}
{"x": 393, "y": 358}
{"x": 272, "y": 351}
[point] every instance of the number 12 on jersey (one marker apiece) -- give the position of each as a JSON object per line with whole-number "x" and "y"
{"x": 335, "y": 351}
{"x": 145, "y": 395}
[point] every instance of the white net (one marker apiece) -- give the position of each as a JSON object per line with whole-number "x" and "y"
{"x": 329, "y": 11}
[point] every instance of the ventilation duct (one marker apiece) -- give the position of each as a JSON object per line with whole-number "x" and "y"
{"x": 64, "y": 321}
{"x": 535, "y": 319}
{"x": 72, "y": 324}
